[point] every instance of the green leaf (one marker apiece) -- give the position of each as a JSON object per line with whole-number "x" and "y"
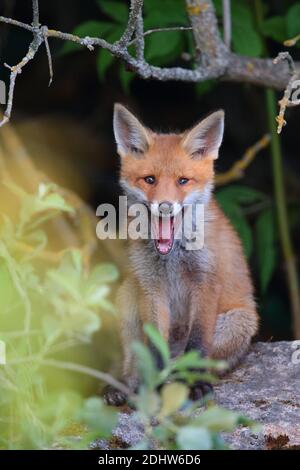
{"x": 116, "y": 10}
{"x": 163, "y": 45}
{"x": 99, "y": 417}
{"x": 148, "y": 402}
{"x": 76, "y": 257}
{"x": 53, "y": 201}
{"x": 239, "y": 194}
{"x": 89, "y": 28}
{"x": 173, "y": 396}
{"x": 193, "y": 360}
{"x": 293, "y": 20}
{"x": 58, "y": 409}
{"x": 202, "y": 88}
{"x": 159, "y": 14}
{"x": 146, "y": 366}
{"x": 239, "y": 222}
{"x": 275, "y": 28}
{"x": 65, "y": 283}
{"x": 218, "y": 7}
{"x": 247, "y": 42}
{"x": 245, "y": 39}
{"x": 104, "y": 58}
{"x": 104, "y": 61}
{"x": 51, "y": 327}
{"x": 194, "y": 438}
{"x": 126, "y": 78}
{"x": 104, "y": 273}
{"x": 217, "y": 419}
{"x": 158, "y": 341}
{"x": 265, "y": 229}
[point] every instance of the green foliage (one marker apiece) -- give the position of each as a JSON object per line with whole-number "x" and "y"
{"x": 45, "y": 308}
{"x": 116, "y": 10}
{"x": 166, "y": 48}
{"x": 163, "y": 399}
{"x": 280, "y": 28}
{"x": 160, "y": 48}
{"x": 245, "y": 38}
{"x": 293, "y": 20}
{"x": 266, "y": 247}
{"x": 233, "y": 199}
{"x": 275, "y": 28}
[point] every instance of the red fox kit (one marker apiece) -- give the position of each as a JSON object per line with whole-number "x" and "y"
{"x": 198, "y": 299}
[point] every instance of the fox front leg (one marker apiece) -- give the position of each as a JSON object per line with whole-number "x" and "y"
{"x": 154, "y": 310}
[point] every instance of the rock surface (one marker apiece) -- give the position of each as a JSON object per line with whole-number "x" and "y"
{"x": 265, "y": 387}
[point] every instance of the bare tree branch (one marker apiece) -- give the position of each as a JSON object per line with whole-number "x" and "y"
{"x": 135, "y": 13}
{"x": 35, "y": 14}
{"x": 17, "y": 69}
{"x": 213, "y": 57}
{"x": 140, "y": 40}
{"x": 211, "y": 50}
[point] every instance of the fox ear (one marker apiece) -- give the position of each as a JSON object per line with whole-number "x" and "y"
{"x": 204, "y": 139}
{"x": 131, "y": 136}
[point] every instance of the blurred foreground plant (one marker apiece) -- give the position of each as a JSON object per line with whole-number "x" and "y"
{"x": 46, "y": 308}
{"x": 170, "y": 419}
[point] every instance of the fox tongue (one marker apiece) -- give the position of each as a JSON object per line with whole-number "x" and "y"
{"x": 165, "y": 236}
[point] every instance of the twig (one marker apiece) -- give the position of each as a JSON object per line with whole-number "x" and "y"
{"x": 160, "y": 30}
{"x": 285, "y": 100}
{"x": 238, "y": 168}
{"x": 103, "y": 376}
{"x": 19, "y": 24}
{"x": 36, "y": 14}
{"x": 71, "y": 366}
{"x": 17, "y": 69}
{"x": 227, "y": 22}
{"x": 292, "y": 42}
{"x": 45, "y": 29}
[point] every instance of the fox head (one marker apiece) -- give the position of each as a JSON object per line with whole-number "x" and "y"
{"x": 167, "y": 171}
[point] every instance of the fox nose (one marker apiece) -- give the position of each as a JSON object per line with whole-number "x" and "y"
{"x": 166, "y": 208}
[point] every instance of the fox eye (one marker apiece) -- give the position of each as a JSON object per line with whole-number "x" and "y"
{"x": 183, "y": 181}
{"x": 149, "y": 179}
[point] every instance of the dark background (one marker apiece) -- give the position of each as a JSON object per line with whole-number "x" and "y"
{"x": 68, "y": 127}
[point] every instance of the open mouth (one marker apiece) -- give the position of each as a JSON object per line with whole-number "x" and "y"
{"x": 163, "y": 234}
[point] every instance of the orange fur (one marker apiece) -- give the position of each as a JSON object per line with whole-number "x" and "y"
{"x": 167, "y": 161}
{"x": 207, "y": 305}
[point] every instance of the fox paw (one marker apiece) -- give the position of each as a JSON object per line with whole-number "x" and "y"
{"x": 200, "y": 390}
{"x": 114, "y": 397}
